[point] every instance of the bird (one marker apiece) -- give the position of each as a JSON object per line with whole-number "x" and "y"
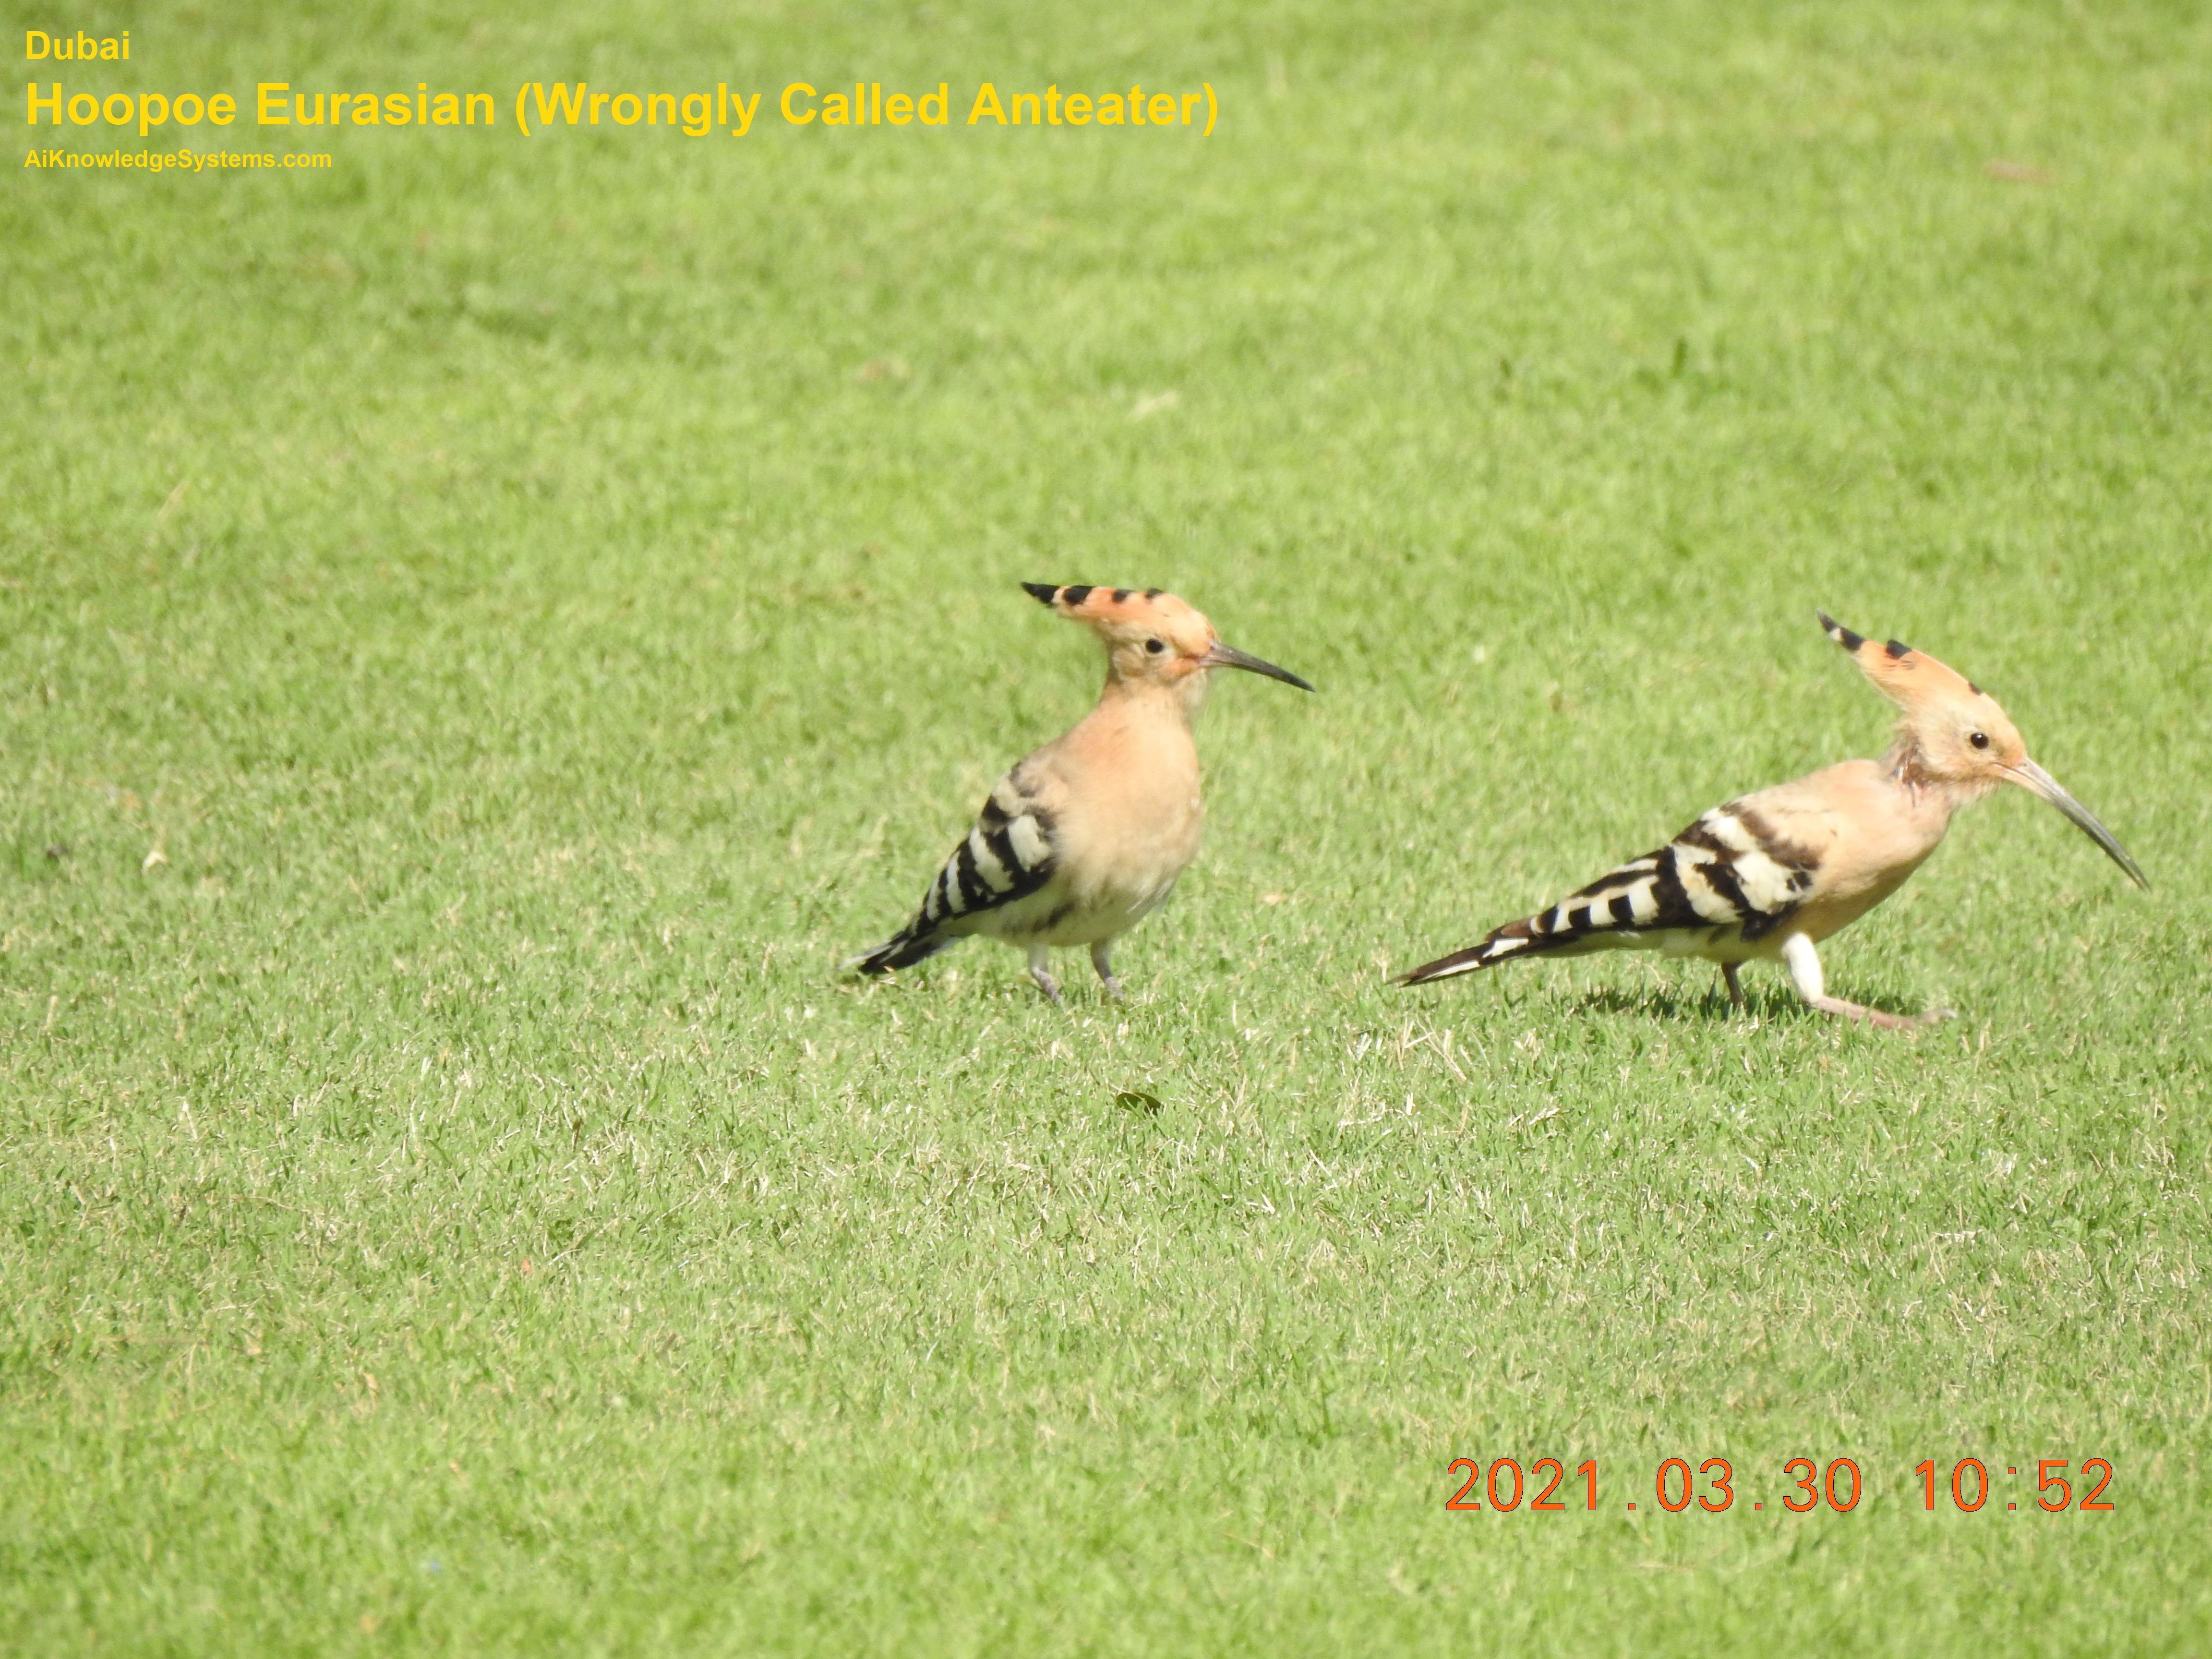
{"x": 1085, "y": 836}
{"x": 1769, "y": 876}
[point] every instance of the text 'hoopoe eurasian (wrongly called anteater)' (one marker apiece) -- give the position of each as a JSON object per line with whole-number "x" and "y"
{"x": 1769, "y": 876}
{"x": 1086, "y": 835}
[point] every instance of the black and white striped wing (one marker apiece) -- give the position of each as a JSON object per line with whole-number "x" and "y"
{"x": 1008, "y": 856}
{"x": 1729, "y": 872}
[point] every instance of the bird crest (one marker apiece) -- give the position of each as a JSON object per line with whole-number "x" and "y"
{"x": 1912, "y": 679}
{"x": 1125, "y": 607}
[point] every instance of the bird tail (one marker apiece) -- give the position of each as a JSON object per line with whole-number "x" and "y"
{"x": 1516, "y": 938}
{"x": 910, "y": 945}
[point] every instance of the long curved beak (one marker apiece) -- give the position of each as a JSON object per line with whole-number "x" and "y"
{"x": 2031, "y": 777}
{"x": 1226, "y": 656}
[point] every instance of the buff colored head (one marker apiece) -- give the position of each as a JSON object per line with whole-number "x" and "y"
{"x": 1152, "y": 636}
{"x": 1953, "y": 733}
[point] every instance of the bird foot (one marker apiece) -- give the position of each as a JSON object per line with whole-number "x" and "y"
{"x": 1042, "y": 974}
{"x": 1735, "y": 990}
{"x": 1887, "y": 1022}
{"x": 1103, "y": 961}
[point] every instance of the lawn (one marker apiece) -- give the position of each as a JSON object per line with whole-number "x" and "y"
{"x": 486, "y": 628}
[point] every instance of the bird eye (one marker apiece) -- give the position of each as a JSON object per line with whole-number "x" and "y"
{"x": 1156, "y": 645}
{"x": 1980, "y": 740}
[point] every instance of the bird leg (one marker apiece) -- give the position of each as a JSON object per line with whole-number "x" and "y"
{"x": 1735, "y": 991}
{"x": 1101, "y": 959}
{"x": 1042, "y": 974}
{"x": 1805, "y": 973}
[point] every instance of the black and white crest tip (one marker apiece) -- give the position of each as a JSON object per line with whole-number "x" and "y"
{"x": 1008, "y": 856}
{"x": 1730, "y": 874}
{"x": 1841, "y": 635}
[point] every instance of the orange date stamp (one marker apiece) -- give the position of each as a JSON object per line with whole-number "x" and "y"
{"x": 1549, "y": 1487}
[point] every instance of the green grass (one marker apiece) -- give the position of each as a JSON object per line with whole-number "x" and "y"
{"x": 545, "y": 602}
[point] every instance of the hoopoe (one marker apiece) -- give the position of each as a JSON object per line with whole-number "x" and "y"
{"x": 1766, "y": 877}
{"x": 1086, "y": 835}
